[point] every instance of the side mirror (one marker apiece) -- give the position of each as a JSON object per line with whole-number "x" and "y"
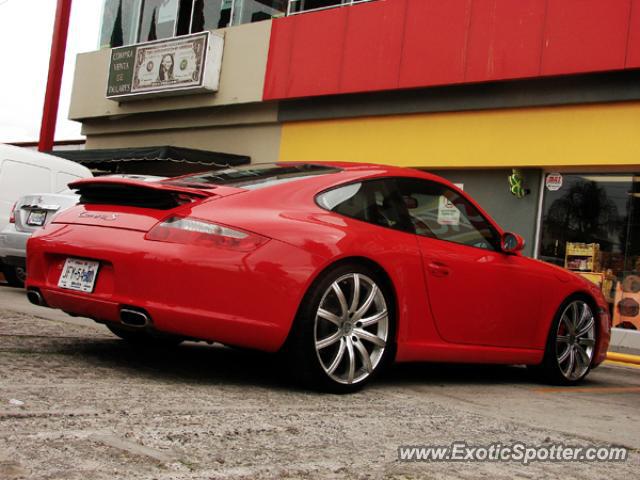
{"x": 511, "y": 242}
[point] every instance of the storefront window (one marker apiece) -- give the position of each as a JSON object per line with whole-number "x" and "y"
{"x": 591, "y": 225}
{"x": 119, "y": 23}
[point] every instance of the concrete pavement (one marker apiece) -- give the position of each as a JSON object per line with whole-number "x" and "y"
{"x": 76, "y": 403}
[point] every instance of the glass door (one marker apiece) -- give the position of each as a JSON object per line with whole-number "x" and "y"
{"x": 590, "y": 224}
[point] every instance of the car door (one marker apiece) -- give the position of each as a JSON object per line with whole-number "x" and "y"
{"x": 478, "y": 294}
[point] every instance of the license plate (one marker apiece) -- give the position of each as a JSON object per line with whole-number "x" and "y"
{"x": 79, "y": 275}
{"x": 36, "y": 218}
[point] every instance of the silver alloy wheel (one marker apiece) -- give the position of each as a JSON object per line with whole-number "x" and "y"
{"x": 351, "y": 328}
{"x": 575, "y": 340}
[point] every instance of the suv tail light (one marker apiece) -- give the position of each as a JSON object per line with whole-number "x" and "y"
{"x": 194, "y": 231}
{"x": 12, "y": 215}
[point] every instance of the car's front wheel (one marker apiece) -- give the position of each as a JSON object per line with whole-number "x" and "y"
{"x": 343, "y": 334}
{"x": 571, "y": 343}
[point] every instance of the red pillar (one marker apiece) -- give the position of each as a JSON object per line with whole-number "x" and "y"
{"x": 54, "y": 80}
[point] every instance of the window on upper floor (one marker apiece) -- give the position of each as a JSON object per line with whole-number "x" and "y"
{"x": 248, "y": 11}
{"x": 125, "y": 22}
{"x": 119, "y": 23}
{"x": 306, "y": 5}
{"x": 158, "y": 19}
{"x": 300, "y": 6}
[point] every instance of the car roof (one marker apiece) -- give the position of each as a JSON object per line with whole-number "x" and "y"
{"x": 361, "y": 171}
{"x": 301, "y": 193}
{"x": 285, "y": 176}
{"x": 34, "y": 157}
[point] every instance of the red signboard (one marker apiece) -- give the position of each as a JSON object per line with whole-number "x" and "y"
{"x": 392, "y": 44}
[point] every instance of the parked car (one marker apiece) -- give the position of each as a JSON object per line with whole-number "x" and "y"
{"x": 344, "y": 267}
{"x": 30, "y": 213}
{"x": 23, "y": 171}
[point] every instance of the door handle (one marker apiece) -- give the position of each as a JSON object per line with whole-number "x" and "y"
{"x": 438, "y": 269}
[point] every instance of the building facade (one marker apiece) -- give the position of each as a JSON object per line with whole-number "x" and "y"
{"x": 532, "y": 105}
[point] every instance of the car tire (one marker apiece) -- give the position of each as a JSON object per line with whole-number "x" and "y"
{"x": 571, "y": 343}
{"x": 343, "y": 335}
{"x": 143, "y": 337}
{"x": 15, "y": 276}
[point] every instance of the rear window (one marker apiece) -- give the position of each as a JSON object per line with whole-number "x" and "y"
{"x": 253, "y": 177}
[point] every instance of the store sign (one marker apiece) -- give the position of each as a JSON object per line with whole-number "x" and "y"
{"x": 448, "y": 213}
{"x": 189, "y": 64}
{"x": 553, "y": 182}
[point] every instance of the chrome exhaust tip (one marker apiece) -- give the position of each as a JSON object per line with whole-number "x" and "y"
{"x": 36, "y": 298}
{"x": 134, "y": 318}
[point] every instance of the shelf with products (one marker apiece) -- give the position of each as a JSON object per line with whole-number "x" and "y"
{"x": 585, "y": 260}
{"x": 582, "y": 257}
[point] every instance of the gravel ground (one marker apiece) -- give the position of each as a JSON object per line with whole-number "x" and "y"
{"x": 94, "y": 407}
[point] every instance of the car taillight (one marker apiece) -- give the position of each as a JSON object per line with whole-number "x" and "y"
{"x": 194, "y": 231}
{"x": 12, "y": 215}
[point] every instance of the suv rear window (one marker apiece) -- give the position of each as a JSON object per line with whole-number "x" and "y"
{"x": 253, "y": 177}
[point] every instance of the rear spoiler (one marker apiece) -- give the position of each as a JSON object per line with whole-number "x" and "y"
{"x": 136, "y": 193}
{"x": 132, "y": 182}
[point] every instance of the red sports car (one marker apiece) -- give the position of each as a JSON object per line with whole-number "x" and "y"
{"x": 344, "y": 266}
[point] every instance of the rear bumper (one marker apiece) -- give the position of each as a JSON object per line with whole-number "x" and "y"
{"x": 13, "y": 243}
{"x": 237, "y": 298}
{"x": 184, "y": 321}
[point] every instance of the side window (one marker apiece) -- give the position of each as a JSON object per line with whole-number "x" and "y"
{"x": 375, "y": 201}
{"x": 439, "y": 212}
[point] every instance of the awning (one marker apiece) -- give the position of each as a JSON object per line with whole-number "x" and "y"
{"x": 163, "y": 160}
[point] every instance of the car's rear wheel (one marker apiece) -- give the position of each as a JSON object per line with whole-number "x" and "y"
{"x": 343, "y": 335}
{"x": 143, "y": 337}
{"x": 571, "y": 343}
{"x": 15, "y": 276}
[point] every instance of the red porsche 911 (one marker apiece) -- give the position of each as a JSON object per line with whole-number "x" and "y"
{"x": 346, "y": 267}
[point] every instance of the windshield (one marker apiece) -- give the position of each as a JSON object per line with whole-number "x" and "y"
{"x": 254, "y": 176}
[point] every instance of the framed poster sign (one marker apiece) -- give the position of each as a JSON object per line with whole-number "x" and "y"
{"x": 178, "y": 66}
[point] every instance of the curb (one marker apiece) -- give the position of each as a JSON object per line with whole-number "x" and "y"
{"x": 623, "y": 357}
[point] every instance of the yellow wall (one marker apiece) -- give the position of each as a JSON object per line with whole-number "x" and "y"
{"x": 604, "y": 134}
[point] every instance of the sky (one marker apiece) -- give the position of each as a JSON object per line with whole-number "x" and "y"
{"x": 26, "y": 27}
